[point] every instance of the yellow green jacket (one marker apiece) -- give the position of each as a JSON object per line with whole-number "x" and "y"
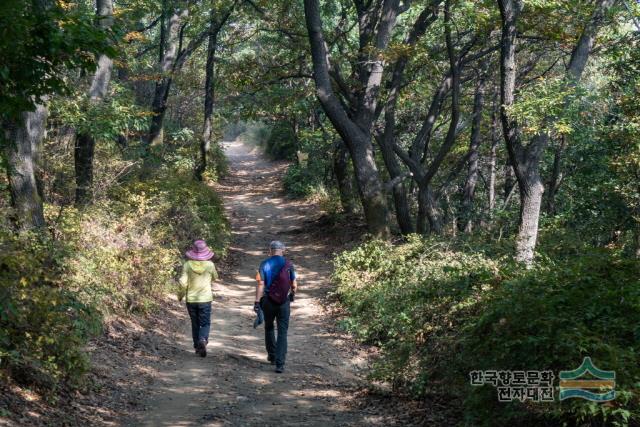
{"x": 195, "y": 281}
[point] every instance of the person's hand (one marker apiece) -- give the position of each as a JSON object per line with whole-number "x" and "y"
{"x": 292, "y": 296}
{"x": 256, "y": 306}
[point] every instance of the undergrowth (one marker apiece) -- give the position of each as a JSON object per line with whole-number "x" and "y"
{"x": 116, "y": 257}
{"x": 441, "y": 309}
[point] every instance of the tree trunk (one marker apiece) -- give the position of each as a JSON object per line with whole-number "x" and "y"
{"x": 530, "y": 199}
{"x": 340, "y": 168}
{"x": 509, "y": 180}
{"x": 159, "y": 107}
{"x": 85, "y": 142}
{"x": 163, "y": 85}
{"x": 636, "y": 238}
{"x": 401, "y": 202}
{"x": 430, "y": 217}
{"x": 492, "y": 164}
{"x": 422, "y": 226}
{"x": 526, "y": 159}
{"x": 374, "y": 203}
{"x": 209, "y": 87}
{"x": 472, "y": 176}
{"x": 355, "y": 131}
{"x": 21, "y": 140}
{"x": 428, "y": 208}
{"x": 399, "y": 190}
{"x": 556, "y": 177}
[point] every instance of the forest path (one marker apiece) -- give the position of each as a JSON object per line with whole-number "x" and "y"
{"x": 234, "y": 384}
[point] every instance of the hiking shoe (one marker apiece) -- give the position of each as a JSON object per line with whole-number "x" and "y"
{"x": 202, "y": 347}
{"x": 271, "y": 359}
{"x": 279, "y": 369}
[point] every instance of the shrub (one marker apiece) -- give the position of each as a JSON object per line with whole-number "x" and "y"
{"x": 43, "y": 325}
{"x": 301, "y": 182}
{"x": 312, "y": 178}
{"x": 281, "y": 143}
{"x": 439, "y": 310}
{"x": 118, "y": 256}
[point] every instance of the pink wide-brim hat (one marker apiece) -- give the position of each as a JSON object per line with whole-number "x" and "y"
{"x": 199, "y": 251}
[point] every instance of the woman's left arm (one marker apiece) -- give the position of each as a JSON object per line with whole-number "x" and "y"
{"x": 182, "y": 282}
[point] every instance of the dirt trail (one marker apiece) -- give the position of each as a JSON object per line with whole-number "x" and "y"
{"x": 235, "y": 385}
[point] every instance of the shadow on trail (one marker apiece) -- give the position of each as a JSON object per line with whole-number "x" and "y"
{"x": 234, "y": 384}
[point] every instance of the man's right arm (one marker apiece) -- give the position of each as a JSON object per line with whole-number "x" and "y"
{"x": 259, "y": 291}
{"x": 294, "y": 279}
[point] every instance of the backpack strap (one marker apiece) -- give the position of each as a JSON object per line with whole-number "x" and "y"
{"x": 287, "y": 265}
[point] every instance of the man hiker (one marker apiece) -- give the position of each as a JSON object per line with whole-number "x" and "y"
{"x": 275, "y": 290}
{"x": 195, "y": 286}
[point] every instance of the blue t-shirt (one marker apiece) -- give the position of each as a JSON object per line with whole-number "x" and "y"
{"x": 270, "y": 268}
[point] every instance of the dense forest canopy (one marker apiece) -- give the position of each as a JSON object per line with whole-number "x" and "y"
{"x": 509, "y": 128}
{"x": 409, "y": 90}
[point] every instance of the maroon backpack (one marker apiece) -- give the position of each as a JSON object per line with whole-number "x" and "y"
{"x": 279, "y": 289}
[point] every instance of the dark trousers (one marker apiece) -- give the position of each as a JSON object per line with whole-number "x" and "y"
{"x": 200, "y": 314}
{"x": 276, "y": 348}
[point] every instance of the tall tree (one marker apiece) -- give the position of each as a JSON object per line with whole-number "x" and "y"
{"x": 169, "y": 45}
{"x": 493, "y": 156}
{"x": 341, "y": 171}
{"x": 387, "y": 140}
{"x": 85, "y": 142}
{"x": 39, "y": 41}
{"x": 430, "y": 216}
{"x": 23, "y": 138}
{"x": 215, "y": 25}
{"x": 468, "y": 191}
{"x": 526, "y": 158}
{"x": 376, "y": 20}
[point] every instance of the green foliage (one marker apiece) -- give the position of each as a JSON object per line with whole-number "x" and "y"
{"x": 43, "y": 325}
{"x": 256, "y": 133}
{"x": 311, "y": 177}
{"x": 177, "y": 209}
{"x": 117, "y": 115}
{"x": 39, "y": 41}
{"x": 439, "y": 310}
{"x": 282, "y": 143}
{"x": 117, "y": 257}
{"x": 300, "y": 181}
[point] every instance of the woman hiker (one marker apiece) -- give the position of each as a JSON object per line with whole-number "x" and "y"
{"x": 195, "y": 286}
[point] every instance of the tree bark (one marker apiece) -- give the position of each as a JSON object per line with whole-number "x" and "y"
{"x": 509, "y": 180}
{"x": 493, "y": 155}
{"x": 530, "y": 199}
{"x": 526, "y": 159}
{"x": 429, "y": 212}
{"x": 370, "y": 189}
{"x": 387, "y": 141}
{"x": 556, "y": 177}
{"x": 215, "y": 26}
{"x": 356, "y": 130}
{"x": 636, "y": 238}
{"x": 85, "y": 142}
{"x": 428, "y": 209}
{"x": 340, "y": 165}
{"x": 163, "y": 85}
{"x": 468, "y": 191}
{"x": 22, "y": 139}
{"x": 209, "y": 88}
{"x": 399, "y": 190}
